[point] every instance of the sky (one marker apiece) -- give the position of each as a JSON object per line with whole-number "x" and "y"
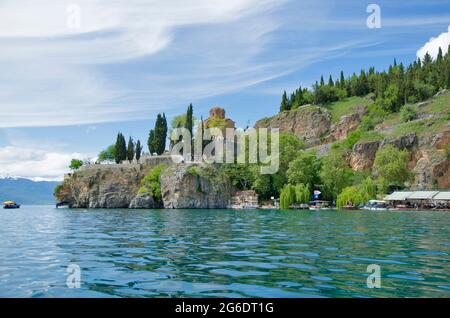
{"x": 74, "y": 73}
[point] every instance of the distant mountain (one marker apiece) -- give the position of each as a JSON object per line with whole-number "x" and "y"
{"x": 25, "y": 191}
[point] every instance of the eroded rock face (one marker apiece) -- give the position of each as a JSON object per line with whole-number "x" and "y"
{"x": 363, "y": 155}
{"x": 187, "y": 187}
{"x": 143, "y": 201}
{"x": 346, "y": 125}
{"x": 441, "y": 173}
{"x": 105, "y": 187}
{"x": 432, "y": 171}
{"x": 108, "y": 186}
{"x": 309, "y": 123}
{"x": 441, "y": 140}
{"x": 408, "y": 142}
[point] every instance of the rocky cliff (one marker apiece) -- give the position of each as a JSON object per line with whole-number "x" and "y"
{"x": 118, "y": 186}
{"x": 194, "y": 187}
{"x": 313, "y": 124}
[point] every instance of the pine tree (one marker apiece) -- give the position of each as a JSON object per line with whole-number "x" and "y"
{"x": 138, "y": 150}
{"x": 130, "y": 150}
{"x": 322, "y": 82}
{"x": 342, "y": 80}
{"x": 284, "y": 103}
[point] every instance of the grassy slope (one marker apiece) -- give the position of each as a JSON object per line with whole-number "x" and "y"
{"x": 345, "y": 107}
{"x": 435, "y": 115}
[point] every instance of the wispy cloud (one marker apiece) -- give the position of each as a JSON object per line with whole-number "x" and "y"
{"x": 54, "y": 75}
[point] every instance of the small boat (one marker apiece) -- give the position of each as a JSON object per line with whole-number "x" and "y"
{"x": 376, "y": 205}
{"x": 319, "y": 205}
{"x": 11, "y": 205}
{"x": 349, "y": 207}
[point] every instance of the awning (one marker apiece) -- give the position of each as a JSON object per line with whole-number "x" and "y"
{"x": 398, "y": 196}
{"x": 444, "y": 196}
{"x": 422, "y": 195}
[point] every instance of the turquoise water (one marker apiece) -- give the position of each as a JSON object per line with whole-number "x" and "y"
{"x": 201, "y": 253}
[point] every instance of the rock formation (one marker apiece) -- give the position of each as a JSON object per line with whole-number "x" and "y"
{"x": 363, "y": 155}
{"x": 194, "y": 186}
{"x": 309, "y": 123}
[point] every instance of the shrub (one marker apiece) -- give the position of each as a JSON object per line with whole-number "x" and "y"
{"x": 408, "y": 113}
{"x": 75, "y": 164}
{"x": 193, "y": 171}
{"x": 151, "y": 183}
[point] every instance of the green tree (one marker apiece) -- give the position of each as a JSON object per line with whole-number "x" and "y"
{"x": 284, "y": 103}
{"x": 138, "y": 150}
{"x": 75, "y": 164}
{"x": 151, "y": 141}
{"x": 368, "y": 189}
{"x": 287, "y": 197}
{"x": 335, "y": 175}
{"x": 120, "y": 149}
{"x": 304, "y": 169}
{"x": 108, "y": 154}
{"x": 350, "y": 196}
{"x": 130, "y": 150}
{"x": 160, "y": 134}
{"x": 391, "y": 164}
{"x": 190, "y": 126}
{"x": 302, "y": 193}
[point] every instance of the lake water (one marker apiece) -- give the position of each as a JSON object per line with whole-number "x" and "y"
{"x": 203, "y": 253}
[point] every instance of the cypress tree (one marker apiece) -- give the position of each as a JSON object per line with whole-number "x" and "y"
{"x": 120, "y": 151}
{"x": 151, "y": 141}
{"x": 160, "y": 134}
{"x": 189, "y": 126}
{"x": 330, "y": 81}
{"x": 130, "y": 150}
{"x": 138, "y": 150}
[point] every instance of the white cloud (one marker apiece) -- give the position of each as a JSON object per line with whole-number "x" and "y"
{"x": 55, "y": 75}
{"x": 433, "y": 45}
{"x": 34, "y": 164}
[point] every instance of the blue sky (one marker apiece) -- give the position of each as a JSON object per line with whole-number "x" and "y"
{"x": 67, "y": 89}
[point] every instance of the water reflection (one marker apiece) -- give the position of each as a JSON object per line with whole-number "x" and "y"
{"x": 203, "y": 253}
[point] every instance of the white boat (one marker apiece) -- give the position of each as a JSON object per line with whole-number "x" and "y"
{"x": 376, "y": 205}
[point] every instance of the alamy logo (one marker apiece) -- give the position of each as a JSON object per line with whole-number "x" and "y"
{"x": 238, "y": 146}
{"x": 74, "y": 278}
{"x": 374, "y": 19}
{"x": 374, "y": 279}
